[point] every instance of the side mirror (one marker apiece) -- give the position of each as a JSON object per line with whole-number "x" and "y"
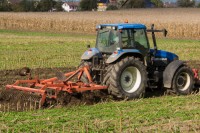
{"x": 164, "y": 32}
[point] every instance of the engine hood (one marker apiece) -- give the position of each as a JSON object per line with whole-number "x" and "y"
{"x": 164, "y": 54}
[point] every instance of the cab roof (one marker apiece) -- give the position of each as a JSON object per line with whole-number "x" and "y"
{"x": 125, "y": 26}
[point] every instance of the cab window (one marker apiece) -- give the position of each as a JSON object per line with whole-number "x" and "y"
{"x": 134, "y": 38}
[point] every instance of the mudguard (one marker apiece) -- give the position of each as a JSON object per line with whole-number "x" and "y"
{"x": 90, "y": 53}
{"x": 117, "y": 54}
{"x": 169, "y": 72}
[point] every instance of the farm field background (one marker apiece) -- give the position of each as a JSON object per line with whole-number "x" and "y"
{"x": 55, "y": 41}
{"x": 181, "y": 23}
{"x": 47, "y": 50}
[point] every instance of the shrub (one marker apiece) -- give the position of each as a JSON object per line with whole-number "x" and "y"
{"x": 186, "y": 3}
{"x": 88, "y": 5}
{"x": 198, "y": 5}
{"x": 112, "y": 7}
{"x": 135, "y": 4}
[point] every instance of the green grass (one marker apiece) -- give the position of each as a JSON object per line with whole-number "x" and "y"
{"x": 34, "y": 49}
{"x": 19, "y": 49}
{"x": 32, "y": 33}
{"x": 162, "y": 114}
{"x": 167, "y": 113}
{"x": 185, "y": 49}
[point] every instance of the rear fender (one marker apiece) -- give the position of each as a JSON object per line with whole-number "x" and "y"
{"x": 90, "y": 53}
{"x": 169, "y": 72}
{"x": 119, "y": 53}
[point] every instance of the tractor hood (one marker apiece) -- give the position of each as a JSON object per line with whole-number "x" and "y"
{"x": 164, "y": 54}
{"x": 90, "y": 53}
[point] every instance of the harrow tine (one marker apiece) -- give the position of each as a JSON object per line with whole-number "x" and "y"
{"x": 16, "y": 100}
{"x": 7, "y": 95}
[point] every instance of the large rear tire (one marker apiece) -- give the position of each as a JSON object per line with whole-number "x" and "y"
{"x": 127, "y": 78}
{"x": 183, "y": 81}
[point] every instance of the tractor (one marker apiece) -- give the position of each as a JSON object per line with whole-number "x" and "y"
{"x": 122, "y": 64}
{"x": 123, "y": 61}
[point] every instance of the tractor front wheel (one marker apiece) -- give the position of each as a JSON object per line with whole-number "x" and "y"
{"x": 128, "y": 79}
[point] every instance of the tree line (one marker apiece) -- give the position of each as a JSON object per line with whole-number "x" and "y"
{"x": 31, "y": 6}
{"x": 50, "y": 5}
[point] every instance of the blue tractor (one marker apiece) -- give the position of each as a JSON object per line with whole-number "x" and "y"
{"x": 123, "y": 61}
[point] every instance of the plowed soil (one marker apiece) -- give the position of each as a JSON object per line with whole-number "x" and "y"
{"x": 10, "y": 76}
{"x": 23, "y": 101}
{"x": 13, "y": 104}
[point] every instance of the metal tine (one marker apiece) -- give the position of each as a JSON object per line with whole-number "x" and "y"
{"x": 15, "y": 100}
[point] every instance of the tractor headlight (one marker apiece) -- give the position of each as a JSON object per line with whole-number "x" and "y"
{"x": 118, "y": 48}
{"x": 114, "y": 28}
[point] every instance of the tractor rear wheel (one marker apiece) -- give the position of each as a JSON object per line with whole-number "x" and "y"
{"x": 127, "y": 78}
{"x": 183, "y": 81}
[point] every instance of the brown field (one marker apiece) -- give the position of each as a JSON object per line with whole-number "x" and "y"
{"x": 180, "y": 23}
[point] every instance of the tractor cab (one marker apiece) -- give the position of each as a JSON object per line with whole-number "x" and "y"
{"x": 111, "y": 37}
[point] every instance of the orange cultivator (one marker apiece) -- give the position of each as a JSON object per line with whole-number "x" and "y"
{"x": 196, "y": 77}
{"x": 50, "y": 88}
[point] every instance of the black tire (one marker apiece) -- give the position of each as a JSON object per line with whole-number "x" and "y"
{"x": 127, "y": 88}
{"x": 183, "y": 81}
{"x": 84, "y": 76}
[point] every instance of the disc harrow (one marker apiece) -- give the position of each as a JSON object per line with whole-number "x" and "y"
{"x": 38, "y": 92}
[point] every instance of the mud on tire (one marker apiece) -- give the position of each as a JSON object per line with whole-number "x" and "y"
{"x": 126, "y": 78}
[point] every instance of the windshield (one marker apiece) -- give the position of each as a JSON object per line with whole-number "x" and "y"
{"x": 107, "y": 40}
{"x": 135, "y": 39}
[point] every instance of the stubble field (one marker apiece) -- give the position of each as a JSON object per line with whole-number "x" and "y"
{"x": 46, "y": 52}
